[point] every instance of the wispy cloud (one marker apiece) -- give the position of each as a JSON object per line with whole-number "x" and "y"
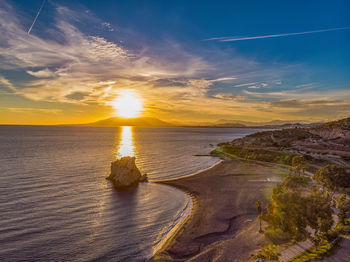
{"x": 246, "y": 84}
{"x": 313, "y": 108}
{"x": 5, "y": 82}
{"x": 294, "y": 94}
{"x": 45, "y": 73}
{"x": 30, "y": 109}
{"x": 86, "y": 70}
{"x": 85, "y": 64}
{"x": 233, "y": 39}
{"x": 229, "y": 97}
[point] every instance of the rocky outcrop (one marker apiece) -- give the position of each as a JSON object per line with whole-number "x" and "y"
{"x": 331, "y": 133}
{"x": 124, "y": 173}
{"x": 333, "y": 130}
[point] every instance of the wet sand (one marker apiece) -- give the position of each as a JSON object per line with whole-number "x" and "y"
{"x": 223, "y": 224}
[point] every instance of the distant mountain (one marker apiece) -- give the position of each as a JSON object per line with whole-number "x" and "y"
{"x": 273, "y": 123}
{"x": 139, "y": 121}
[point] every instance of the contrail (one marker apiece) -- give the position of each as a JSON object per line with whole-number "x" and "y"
{"x": 36, "y": 17}
{"x": 232, "y": 39}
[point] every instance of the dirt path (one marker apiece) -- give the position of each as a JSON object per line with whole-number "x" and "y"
{"x": 295, "y": 250}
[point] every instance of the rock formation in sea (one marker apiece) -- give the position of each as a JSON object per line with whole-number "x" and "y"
{"x": 124, "y": 173}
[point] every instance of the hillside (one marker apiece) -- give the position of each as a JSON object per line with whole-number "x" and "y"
{"x": 322, "y": 142}
{"x": 140, "y": 121}
{"x": 334, "y": 130}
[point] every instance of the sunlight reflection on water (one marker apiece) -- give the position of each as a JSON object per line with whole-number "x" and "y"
{"x": 56, "y": 204}
{"x": 126, "y": 147}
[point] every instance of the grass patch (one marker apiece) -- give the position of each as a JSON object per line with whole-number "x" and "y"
{"x": 254, "y": 154}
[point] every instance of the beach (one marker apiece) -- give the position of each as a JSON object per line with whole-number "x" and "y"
{"x": 223, "y": 224}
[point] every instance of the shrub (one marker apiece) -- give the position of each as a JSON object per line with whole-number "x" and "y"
{"x": 269, "y": 253}
{"x": 277, "y": 236}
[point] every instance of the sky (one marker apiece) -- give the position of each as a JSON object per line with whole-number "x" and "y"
{"x": 189, "y": 61}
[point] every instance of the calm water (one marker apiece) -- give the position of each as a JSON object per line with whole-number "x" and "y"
{"x": 55, "y": 203}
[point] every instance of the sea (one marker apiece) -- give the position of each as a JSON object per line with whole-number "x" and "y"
{"x": 55, "y": 201}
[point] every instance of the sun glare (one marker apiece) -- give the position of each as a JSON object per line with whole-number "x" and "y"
{"x": 128, "y": 105}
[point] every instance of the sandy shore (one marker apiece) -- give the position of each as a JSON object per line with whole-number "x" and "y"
{"x": 223, "y": 224}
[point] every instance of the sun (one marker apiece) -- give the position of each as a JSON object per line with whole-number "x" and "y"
{"x": 128, "y": 105}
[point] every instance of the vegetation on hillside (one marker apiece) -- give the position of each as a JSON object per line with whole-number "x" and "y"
{"x": 278, "y": 146}
{"x": 259, "y": 154}
{"x": 301, "y": 209}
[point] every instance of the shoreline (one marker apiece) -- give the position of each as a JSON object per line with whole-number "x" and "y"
{"x": 187, "y": 210}
{"x": 186, "y": 176}
{"x": 164, "y": 243}
{"x": 217, "y": 219}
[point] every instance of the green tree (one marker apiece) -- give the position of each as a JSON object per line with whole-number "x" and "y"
{"x": 296, "y": 182}
{"x": 319, "y": 211}
{"x": 343, "y": 205}
{"x": 286, "y": 213}
{"x": 332, "y": 177}
{"x": 299, "y": 164}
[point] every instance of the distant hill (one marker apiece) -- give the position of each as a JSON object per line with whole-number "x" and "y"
{"x": 329, "y": 138}
{"x": 265, "y": 125}
{"x": 255, "y": 124}
{"x": 333, "y": 130}
{"x": 274, "y": 124}
{"x": 139, "y": 121}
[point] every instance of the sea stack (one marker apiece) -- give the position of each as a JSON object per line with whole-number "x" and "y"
{"x": 124, "y": 173}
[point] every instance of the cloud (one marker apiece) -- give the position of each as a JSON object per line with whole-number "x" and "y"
{"x": 233, "y": 39}
{"x": 224, "y": 79}
{"x": 253, "y": 87}
{"x": 229, "y": 97}
{"x": 77, "y": 95}
{"x": 312, "y": 108}
{"x": 293, "y": 103}
{"x": 77, "y": 63}
{"x": 6, "y": 83}
{"x": 246, "y": 84}
{"x": 107, "y": 26}
{"x": 30, "y": 109}
{"x": 305, "y": 85}
{"x": 64, "y": 64}
{"x": 295, "y": 94}
{"x": 45, "y": 73}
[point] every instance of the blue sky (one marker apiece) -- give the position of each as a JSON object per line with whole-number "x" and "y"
{"x": 80, "y": 55}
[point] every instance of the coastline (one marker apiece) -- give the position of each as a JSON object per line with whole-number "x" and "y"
{"x": 186, "y": 176}
{"x": 166, "y": 242}
{"x": 168, "y": 235}
{"x": 216, "y": 220}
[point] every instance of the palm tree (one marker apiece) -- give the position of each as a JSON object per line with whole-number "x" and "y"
{"x": 259, "y": 207}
